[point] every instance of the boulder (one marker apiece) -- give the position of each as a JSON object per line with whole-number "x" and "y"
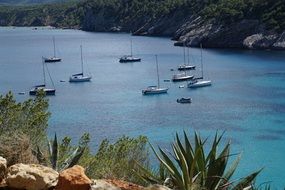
{"x": 3, "y": 168}
{"x": 73, "y": 178}
{"x": 280, "y": 42}
{"x": 157, "y": 187}
{"x": 102, "y": 185}
{"x": 260, "y": 41}
{"x": 31, "y": 177}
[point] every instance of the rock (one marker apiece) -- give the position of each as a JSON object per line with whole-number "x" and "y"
{"x": 124, "y": 185}
{"x": 260, "y": 41}
{"x": 157, "y": 187}
{"x": 103, "y": 185}
{"x": 280, "y": 42}
{"x": 73, "y": 178}
{"x": 31, "y": 177}
{"x": 3, "y": 168}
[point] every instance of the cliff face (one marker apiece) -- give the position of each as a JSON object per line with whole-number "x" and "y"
{"x": 180, "y": 21}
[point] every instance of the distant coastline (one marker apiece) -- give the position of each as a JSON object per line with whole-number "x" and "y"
{"x": 187, "y": 25}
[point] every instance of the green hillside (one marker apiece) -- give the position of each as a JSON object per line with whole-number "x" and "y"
{"x": 174, "y": 18}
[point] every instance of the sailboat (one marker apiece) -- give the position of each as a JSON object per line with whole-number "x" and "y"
{"x": 155, "y": 89}
{"x": 80, "y": 77}
{"x": 54, "y": 58}
{"x": 129, "y": 58}
{"x": 37, "y": 88}
{"x": 183, "y": 76}
{"x": 187, "y": 66}
{"x": 199, "y": 82}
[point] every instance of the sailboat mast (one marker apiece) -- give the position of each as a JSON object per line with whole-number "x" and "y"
{"x": 44, "y": 73}
{"x": 158, "y": 84}
{"x": 131, "y": 47}
{"x": 188, "y": 56}
{"x": 53, "y": 47}
{"x": 81, "y": 59}
{"x": 184, "y": 53}
{"x": 202, "y": 61}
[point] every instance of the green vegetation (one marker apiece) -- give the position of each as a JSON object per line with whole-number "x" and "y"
{"x": 62, "y": 156}
{"x": 101, "y": 15}
{"x": 269, "y": 12}
{"x": 23, "y": 139}
{"x": 189, "y": 167}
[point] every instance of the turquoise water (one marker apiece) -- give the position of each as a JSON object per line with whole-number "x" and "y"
{"x": 246, "y": 98}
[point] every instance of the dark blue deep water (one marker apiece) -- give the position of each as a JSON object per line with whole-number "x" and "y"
{"x": 247, "y": 98}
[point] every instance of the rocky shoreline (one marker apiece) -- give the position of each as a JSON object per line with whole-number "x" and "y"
{"x": 38, "y": 177}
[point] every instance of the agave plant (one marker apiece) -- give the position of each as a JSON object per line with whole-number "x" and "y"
{"x": 53, "y": 151}
{"x": 189, "y": 166}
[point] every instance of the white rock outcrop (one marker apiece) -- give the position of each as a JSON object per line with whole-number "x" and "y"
{"x": 31, "y": 177}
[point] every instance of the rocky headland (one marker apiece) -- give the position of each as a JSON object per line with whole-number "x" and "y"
{"x": 245, "y": 25}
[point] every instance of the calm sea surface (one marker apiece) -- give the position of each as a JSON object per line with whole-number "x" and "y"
{"x": 247, "y": 98}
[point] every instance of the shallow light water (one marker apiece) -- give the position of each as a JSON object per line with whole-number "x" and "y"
{"x": 246, "y": 98}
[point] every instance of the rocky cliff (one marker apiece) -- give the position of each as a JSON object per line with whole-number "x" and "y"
{"x": 251, "y": 24}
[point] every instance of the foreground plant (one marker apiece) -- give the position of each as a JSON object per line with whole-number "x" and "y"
{"x": 189, "y": 167}
{"x": 63, "y": 155}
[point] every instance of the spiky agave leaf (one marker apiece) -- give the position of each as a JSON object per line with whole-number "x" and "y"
{"x": 73, "y": 159}
{"x": 39, "y": 155}
{"x": 247, "y": 181}
{"x": 217, "y": 168}
{"x": 170, "y": 166}
{"x": 53, "y": 152}
{"x": 148, "y": 175}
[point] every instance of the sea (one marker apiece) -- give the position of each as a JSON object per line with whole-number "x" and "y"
{"x": 246, "y": 99}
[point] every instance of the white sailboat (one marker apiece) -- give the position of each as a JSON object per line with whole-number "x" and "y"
{"x": 54, "y": 58}
{"x": 183, "y": 76}
{"x": 199, "y": 82}
{"x": 187, "y": 66}
{"x": 80, "y": 77}
{"x": 129, "y": 58}
{"x": 155, "y": 89}
{"x": 37, "y": 88}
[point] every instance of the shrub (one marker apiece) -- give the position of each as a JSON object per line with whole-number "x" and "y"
{"x": 190, "y": 167}
{"x": 118, "y": 160}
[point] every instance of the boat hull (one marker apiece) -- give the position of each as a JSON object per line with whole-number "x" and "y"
{"x": 52, "y": 60}
{"x": 130, "y": 60}
{"x": 80, "y": 79}
{"x": 154, "y": 91}
{"x": 184, "y": 78}
{"x": 200, "y": 84}
{"x": 184, "y": 68}
{"x": 48, "y": 92}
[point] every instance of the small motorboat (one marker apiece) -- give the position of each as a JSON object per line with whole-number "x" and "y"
{"x": 184, "y": 100}
{"x": 129, "y": 58}
{"x": 166, "y": 80}
{"x": 22, "y": 93}
{"x": 186, "y": 67}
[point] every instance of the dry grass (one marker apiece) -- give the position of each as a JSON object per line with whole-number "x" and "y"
{"x": 16, "y": 148}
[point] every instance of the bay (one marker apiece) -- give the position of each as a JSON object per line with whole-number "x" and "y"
{"x": 246, "y": 99}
